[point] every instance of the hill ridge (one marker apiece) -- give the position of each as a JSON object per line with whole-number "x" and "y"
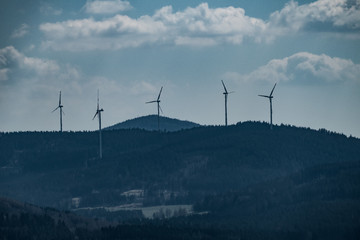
{"x": 150, "y": 122}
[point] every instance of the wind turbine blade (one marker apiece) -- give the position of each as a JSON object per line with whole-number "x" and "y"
{"x": 98, "y": 99}
{"x": 60, "y": 98}
{"x": 224, "y": 86}
{"x": 63, "y": 112}
{"x": 54, "y": 109}
{"x": 95, "y": 115}
{"x": 231, "y": 92}
{"x": 263, "y": 96}
{"x": 160, "y": 109}
{"x": 272, "y": 90}
{"x": 152, "y": 101}
{"x": 159, "y": 94}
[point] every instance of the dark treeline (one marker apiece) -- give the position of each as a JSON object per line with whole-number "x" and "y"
{"x": 42, "y": 226}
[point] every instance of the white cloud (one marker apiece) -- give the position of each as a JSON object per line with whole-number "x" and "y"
{"x": 15, "y": 66}
{"x": 321, "y": 15}
{"x": 11, "y": 58}
{"x": 106, "y": 7}
{"x": 303, "y": 66}
{"x": 47, "y": 9}
{"x": 200, "y": 26}
{"x": 113, "y": 33}
{"x": 40, "y": 76}
{"x": 21, "y": 31}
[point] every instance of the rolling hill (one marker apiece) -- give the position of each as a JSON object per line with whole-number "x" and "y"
{"x": 243, "y": 176}
{"x": 150, "y": 123}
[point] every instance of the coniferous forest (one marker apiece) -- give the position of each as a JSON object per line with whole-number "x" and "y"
{"x": 243, "y": 181}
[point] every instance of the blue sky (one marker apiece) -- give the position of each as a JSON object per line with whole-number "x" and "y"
{"x": 129, "y": 49}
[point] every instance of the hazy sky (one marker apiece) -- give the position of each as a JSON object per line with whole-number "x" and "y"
{"x": 129, "y": 49}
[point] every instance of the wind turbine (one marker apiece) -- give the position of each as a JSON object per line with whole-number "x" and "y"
{"x": 158, "y": 107}
{"x": 270, "y": 97}
{"x": 61, "y": 111}
{"x": 226, "y": 96}
{"x": 98, "y": 113}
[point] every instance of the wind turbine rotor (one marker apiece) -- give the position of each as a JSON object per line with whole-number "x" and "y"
{"x": 55, "y": 109}
{"x": 272, "y": 90}
{"x": 226, "y": 92}
{"x": 158, "y": 99}
{"x": 95, "y": 115}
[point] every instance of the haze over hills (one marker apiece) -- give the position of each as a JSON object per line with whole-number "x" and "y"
{"x": 150, "y": 123}
{"x": 244, "y": 175}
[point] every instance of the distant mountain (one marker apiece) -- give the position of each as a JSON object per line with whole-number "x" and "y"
{"x": 150, "y": 123}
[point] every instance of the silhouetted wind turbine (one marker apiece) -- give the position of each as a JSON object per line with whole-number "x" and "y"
{"x": 158, "y": 107}
{"x": 226, "y": 96}
{"x": 98, "y": 113}
{"x": 270, "y": 97}
{"x": 61, "y": 111}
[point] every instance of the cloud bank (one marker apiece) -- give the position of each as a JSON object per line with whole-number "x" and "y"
{"x": 305, "y": 67}
{"x": 199, "y": 26}
{"x": 322, "y": 15}
{"x": 44, "y": 75}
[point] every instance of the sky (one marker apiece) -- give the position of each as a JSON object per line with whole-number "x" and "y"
{"x": 130, "y": 49}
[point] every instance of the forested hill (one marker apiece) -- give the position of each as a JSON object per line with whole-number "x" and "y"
{"x": 150, "y": 123}
{"x": 48, "y": 168}
{"x": 245, "y": 174}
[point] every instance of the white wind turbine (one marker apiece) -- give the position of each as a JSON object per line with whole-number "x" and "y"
{"x": 61, "y": 111}
{"x": 226, "y": 93}
{"x": 270, "y": 97}
{"x": 158, "y": 107}
{"x": 98, "y": 113}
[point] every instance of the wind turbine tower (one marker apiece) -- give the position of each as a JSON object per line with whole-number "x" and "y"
{"x": 158, "y": 107}
{"x": 61, "y": 111}
{"x": 98, "y": 113}
{"x": 270, "y": 97}
{"x": 226, "y": 93}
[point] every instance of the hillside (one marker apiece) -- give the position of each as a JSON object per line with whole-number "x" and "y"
{"x": 19, "y": 220}
{"x": 245, "y": 176}
{"x": 150, "y": 123}
{"x": 22, "y": 221}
